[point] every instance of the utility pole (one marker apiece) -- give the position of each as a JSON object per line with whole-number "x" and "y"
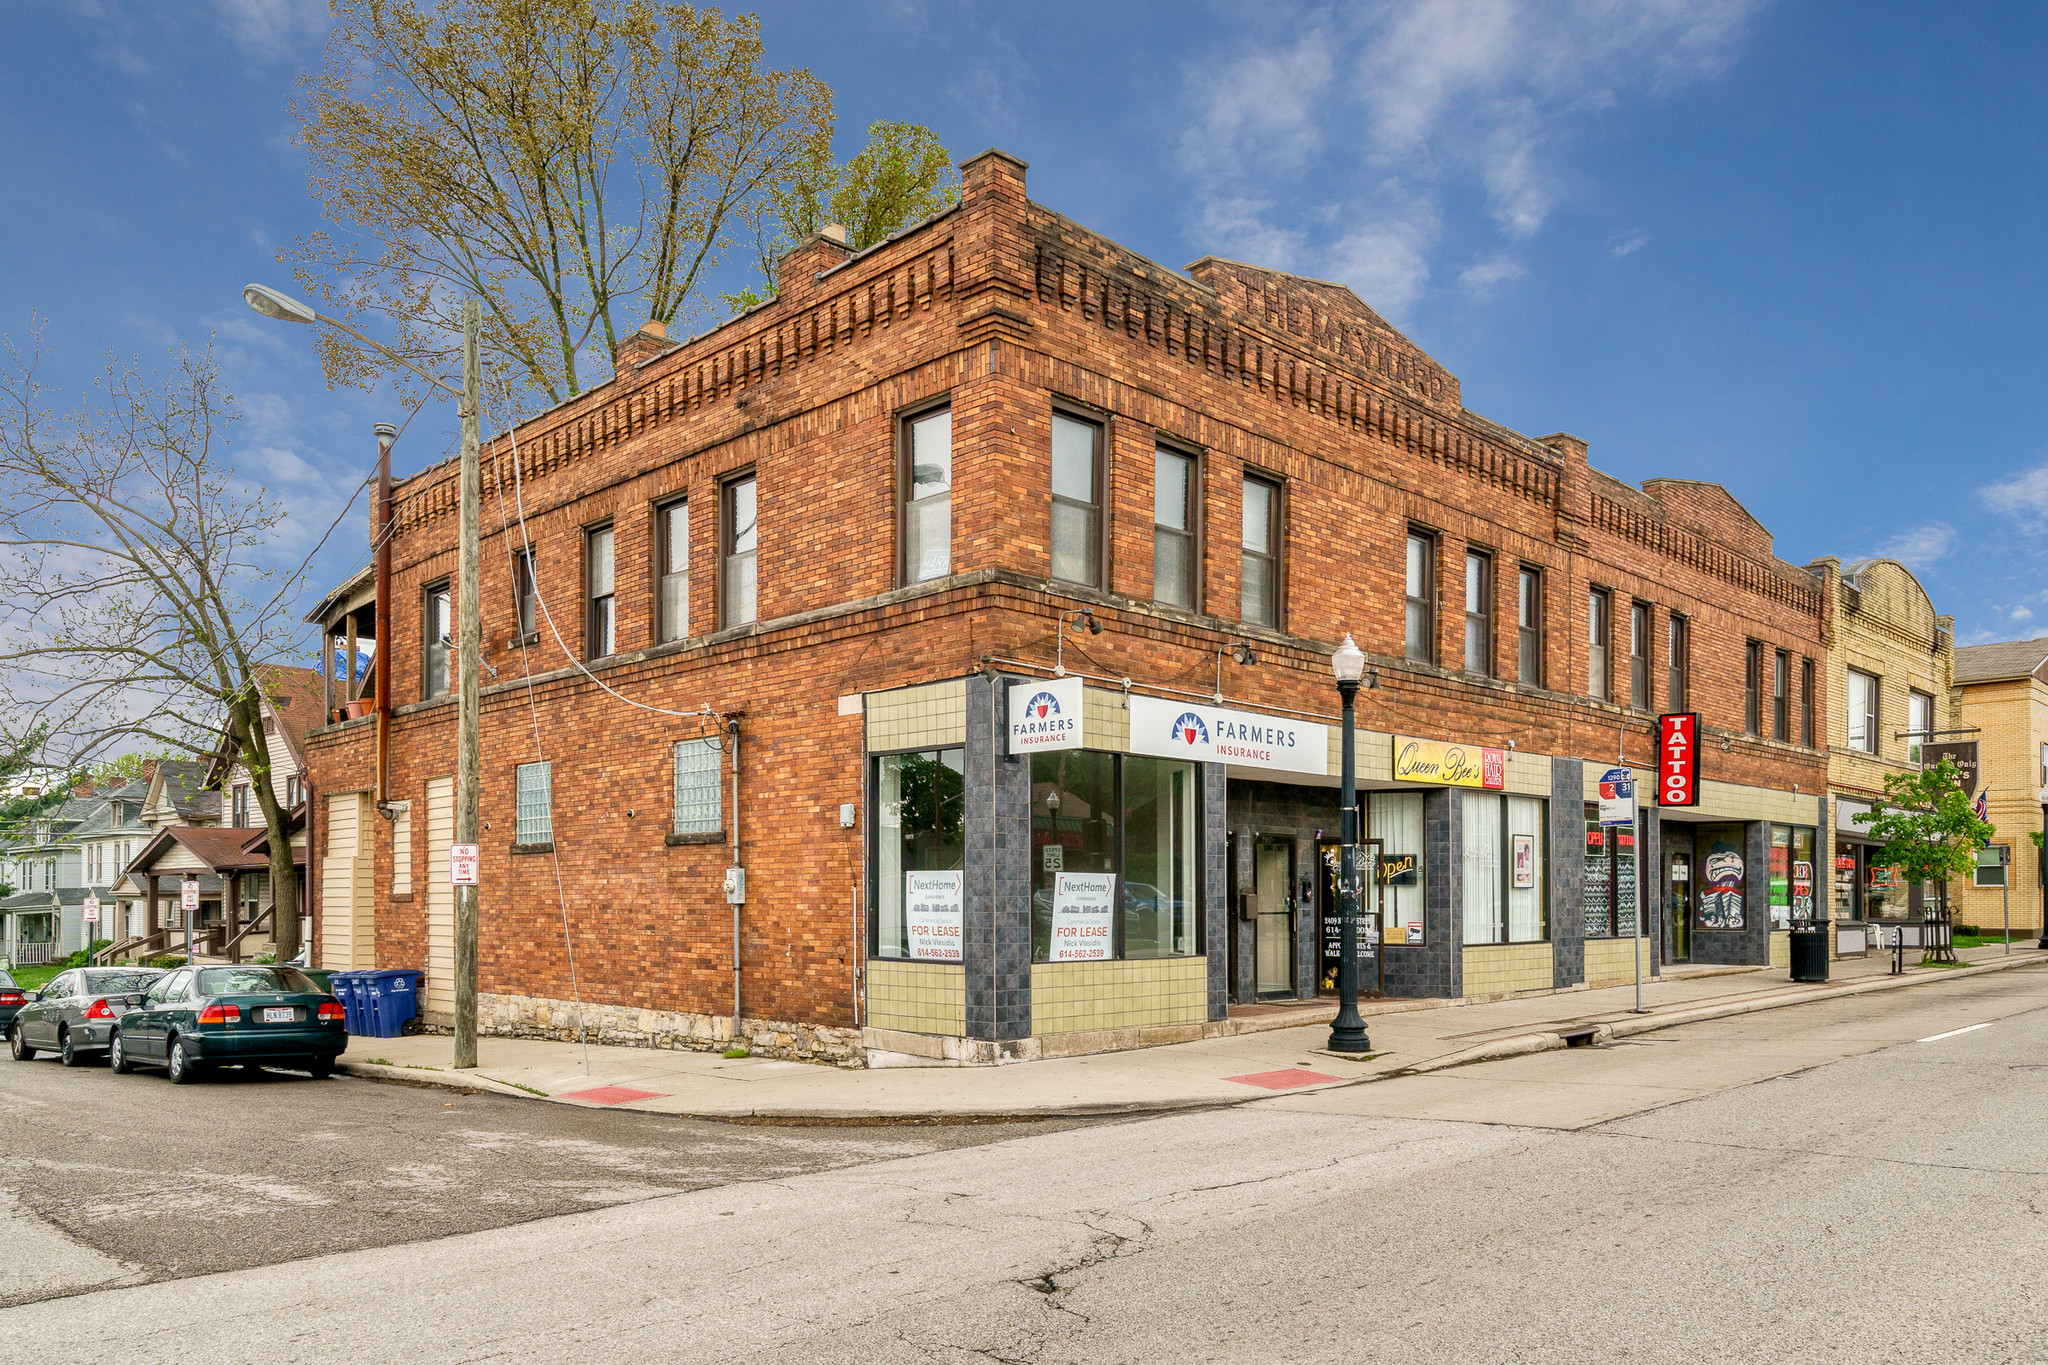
{"x": 469, "y": 631}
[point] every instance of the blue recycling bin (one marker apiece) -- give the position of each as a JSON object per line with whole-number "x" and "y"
{"x": 394, "y": 997}
{"x": 345, "y": 987}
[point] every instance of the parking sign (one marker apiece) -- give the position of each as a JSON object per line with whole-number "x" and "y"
{"x": 462, "y": 864}
{"x": 188, "y": 895}
{"x": 92, "y": 909}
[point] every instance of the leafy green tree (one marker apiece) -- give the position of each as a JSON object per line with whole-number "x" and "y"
{"x": 129, "y": 766}
{"x": 904, "y": 175}
{"x": 1930, "y": 832}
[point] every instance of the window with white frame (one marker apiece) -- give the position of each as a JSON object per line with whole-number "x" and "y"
{"x": 673, "y": 525}
{"x": 928, "y": 496}
{"x": 1863, "y": 711}
{"x": 535, "y": 804}
{"x": 601, "y": 622}
{"x": 1174, "y": 498}
{"x": 697, "y": 788}
{"x": 1919, "y": 723}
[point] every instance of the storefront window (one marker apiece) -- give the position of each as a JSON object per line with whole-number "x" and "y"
{"x": 918, "y": 804}
{"x": 1504, "y": 884}
{"x": 1132, "y": 821}
{"x": 1611, "y": 886}
{"x": 1791, "y": 876}
{"x": 1395, "y": 819}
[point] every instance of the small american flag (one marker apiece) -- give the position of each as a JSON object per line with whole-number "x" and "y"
{"x": 1983, "y": 811}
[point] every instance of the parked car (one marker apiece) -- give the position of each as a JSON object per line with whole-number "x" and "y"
{"x": 198, "y": 1017}
{"x": 74, "y": 1015}
{"x": 12, "y": 998}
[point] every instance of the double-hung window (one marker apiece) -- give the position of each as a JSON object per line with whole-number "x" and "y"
{"x": 928, "y": 496}
{"x": 1806, "y": 702}
{"x": 436, "y": 623}
{"x": 1478, "y": 614}
{"x": 672, "y": 534}
{"x": 1919, "y": 723}
{"x": 1863, "y": 711}
{"x": 1529, "y": 628}
{"x": 525, "y": 594}
{"x": 1639, "y": 656}
{"x": 533, "y": 806}
{"x": 1260, "y": 597}
{"x": 240, "y": 818}
{"x": 1781, "y": 695}
{"x": 1419, "y": 643}
{"x": 1675, "y": 664}
{"x": 1175, "y": 561}
{"x": 1076, "y": 501}
{"x": 1599, "y": 632}
{"x": 738, "y": 534}
{"x": 1752, "y": 688}
{"x": 698, "y": 809}
{"x": 601, "y": 637}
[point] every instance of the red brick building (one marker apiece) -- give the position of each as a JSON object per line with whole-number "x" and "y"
{"x": 976, "y": 596}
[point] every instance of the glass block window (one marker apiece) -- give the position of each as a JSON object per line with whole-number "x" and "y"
{"x": 697, "y": 794}
{"x": 536, "y": 818}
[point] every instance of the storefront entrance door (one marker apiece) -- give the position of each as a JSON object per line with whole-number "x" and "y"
{"x": 1274, "y": 864}
{"x": 1678, "y": 898}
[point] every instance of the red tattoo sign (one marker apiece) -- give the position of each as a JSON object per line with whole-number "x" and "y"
{"x": 1678, "y": 759}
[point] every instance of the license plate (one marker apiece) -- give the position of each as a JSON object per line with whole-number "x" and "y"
{"x": 284, "y": 1014}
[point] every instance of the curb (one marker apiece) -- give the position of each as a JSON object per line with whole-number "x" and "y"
{"x": 1594, "y": 1032}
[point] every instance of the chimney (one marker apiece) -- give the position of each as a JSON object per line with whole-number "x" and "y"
{"x": 797, "y": 271}
{"x": 645, "y": 344}
{"x": 836, "y": 232}
{"x": 83, "y": 787}
{"x": 149, "y": 770}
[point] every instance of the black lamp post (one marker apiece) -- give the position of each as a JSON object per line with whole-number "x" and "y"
{"x": 1347, "y": 1031}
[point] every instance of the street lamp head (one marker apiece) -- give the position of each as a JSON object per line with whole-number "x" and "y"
{"x": 1348, "y": 662}
{"x": 273, "y": 304}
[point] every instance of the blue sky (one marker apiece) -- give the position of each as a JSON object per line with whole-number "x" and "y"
{"x": 1791, "y": 247}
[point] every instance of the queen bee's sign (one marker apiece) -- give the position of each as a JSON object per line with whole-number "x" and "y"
{"x": 1449, "y": 764}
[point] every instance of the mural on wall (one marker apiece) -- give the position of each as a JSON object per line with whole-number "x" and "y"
{"x": 1721, "y": 886}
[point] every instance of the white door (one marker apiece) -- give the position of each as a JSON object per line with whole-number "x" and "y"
{"x": 440, "y": 896}
{"x": 1276, "y": 924}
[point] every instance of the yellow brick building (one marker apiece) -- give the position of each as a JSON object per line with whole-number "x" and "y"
{"x": 1891, "y": 663}
{"x": 2003, "y": 691}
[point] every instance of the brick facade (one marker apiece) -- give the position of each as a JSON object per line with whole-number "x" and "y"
{"x": 1009, "y": 312}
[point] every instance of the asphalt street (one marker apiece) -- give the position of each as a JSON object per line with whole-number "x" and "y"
{"x": 1811, "y": 1184}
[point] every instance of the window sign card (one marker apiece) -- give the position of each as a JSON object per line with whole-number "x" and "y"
{"x": 1083, "y": 908}
{"x": 932, "y": 914}
{"x": 1045, "y": 715}
{"x": 1524, "y": 861}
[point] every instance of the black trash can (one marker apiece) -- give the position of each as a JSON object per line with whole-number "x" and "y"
{"x": 1810, "y": 953}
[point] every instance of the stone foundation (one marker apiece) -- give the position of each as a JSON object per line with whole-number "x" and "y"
{"x": 525, "y": 1016}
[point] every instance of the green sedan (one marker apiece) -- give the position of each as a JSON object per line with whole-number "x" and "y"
{"x": 199, "y": 1017}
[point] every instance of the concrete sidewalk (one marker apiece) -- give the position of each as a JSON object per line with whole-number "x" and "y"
{"x": 1282, "y": 1057}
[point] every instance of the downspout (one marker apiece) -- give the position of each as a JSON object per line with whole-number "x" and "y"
{"x": 735, "y": 893}
{"x": 309, "y": 893}
{"x": 386, "y": 434}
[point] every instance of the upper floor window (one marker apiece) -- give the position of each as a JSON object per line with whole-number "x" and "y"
{"x": 1919, "y": 723}
{"x": 534, "y": 814}
{"x": 1639, "y": 656}
{"x": 1478, "y": 614}
{"x": 1752, "y": 688}
{"x": 1674, "y": 664}
{"x": 1261, "y": 581}
{"x": 1599, "y": 633}
{"x": 739, "y": 535}
{"x": 1174, "y": 557}
{"x": 1781, "y": 695}
{"x": 240, "y": 818}
{"x": 294, "y": 791}
{"x": 602, "y": 621}
{"x": 1806, "y": 702}
{"x": 436, "y": 623}
{"x": 928, "y": 496}
{"x": 1076, "y": 501}
{"x": 1529, "y": 628}
{"x": 1863, "y": 711}
{"x": 1420, "y": 641}
{"x": 672, "y": 531}
{"x": 525, "y": 593}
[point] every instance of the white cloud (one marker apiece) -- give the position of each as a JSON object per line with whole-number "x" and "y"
{"x": 2022, "y": 613}
{"x": 272, "y": 30}
{"x": 1628, "y": 245}
{"x": 1342, "y": 144}
{"x": 1918, "y": 547}
{"x": 2024, "y": 495}
{"x": 1481, "y": 276}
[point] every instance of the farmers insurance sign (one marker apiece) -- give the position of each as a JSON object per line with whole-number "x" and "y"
{"x": 1221, "y": 734}
{"x": 1045, "y": 715}
{"x": 1678, "y": 759}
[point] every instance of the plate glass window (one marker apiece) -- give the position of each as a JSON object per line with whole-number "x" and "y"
{"x": 1420, "y": 642}
{"x": 1529, "y": 628}
{"x": 1598, "y": 632}
{"x": 1639, "y": 656}
{"x": 437, "y": 624}
{"x": 1395, "y": 819}
{"x": 919, "y": 806}
{"x": 1674, "y": 664}
{"x": 1919, "y": 723}
{"x": 1863, "y": 715}
{"x": 1261, "y": 581}
{"x": 1173, "y": 529}
{"x": 1505, "y": 881}
{"x": 1131, "y": 816}
{"x": 525, "y": 590}
{"x": 740, "y": 534}
{"x": 672, "y": 526}
{"x": 697, "y": 792}
{"x": 1479, "y": 615}
{"x": 534, "y": 806}
{"x": 928, "y": 497}
{"x": 1076, "y": 501}
{"x": 602, "y": 620}
{"x": 1781, "y": 695}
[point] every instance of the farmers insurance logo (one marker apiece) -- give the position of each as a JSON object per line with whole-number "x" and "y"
{"x": 1188, "y": 729}
{"x": 1044, "y": 719}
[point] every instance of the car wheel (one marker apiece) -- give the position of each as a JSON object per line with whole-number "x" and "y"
{"x": 117, "y": 1055}
{"x": 319, "y": 1068}
{"x": 181, "y": 1066}
{"x": 66, "y": 1053}
{"x": 19, "y": 1045}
